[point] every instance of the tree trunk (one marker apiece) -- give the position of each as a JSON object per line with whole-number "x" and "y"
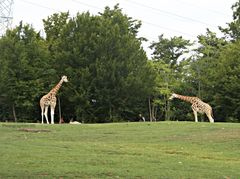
{"x": 150, "y": 110}
{"x": 14, "y": 113}
{"x": 168, "y": 110}
{"x": 155, "y": 114}
{"x": 110, "y": 113}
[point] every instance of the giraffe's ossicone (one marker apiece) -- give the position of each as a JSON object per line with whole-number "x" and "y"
{"x": 197, "y": 106}
{"x": 51, "y": 100}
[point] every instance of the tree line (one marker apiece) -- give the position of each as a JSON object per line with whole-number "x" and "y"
{"x": 110, "y": 76}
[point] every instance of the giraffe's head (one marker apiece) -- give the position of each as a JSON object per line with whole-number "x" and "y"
{"x": 173, "y": 96}
{"x": 64, "y": 78}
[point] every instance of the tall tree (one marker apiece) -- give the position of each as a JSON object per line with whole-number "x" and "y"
{"x": 233, "y": 29}
{"x": 106, "y": 64}
{"x": 169, "y": 55}
{"x": 203, "y": 65}
{"x": 227, "y": 84}
{"x": 204, "y": 62}
{"x": 23, "y": 59}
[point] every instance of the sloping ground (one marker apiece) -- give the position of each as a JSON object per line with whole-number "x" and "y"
{"x": 120, "y": 150}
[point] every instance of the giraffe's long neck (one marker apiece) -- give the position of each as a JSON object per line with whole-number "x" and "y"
{"x": 186, "y": 98}
{"x": 56, "y": 88}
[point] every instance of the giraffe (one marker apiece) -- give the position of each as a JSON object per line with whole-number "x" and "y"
{"x": 51, "y": 100}
{"x": 197, "y": 106}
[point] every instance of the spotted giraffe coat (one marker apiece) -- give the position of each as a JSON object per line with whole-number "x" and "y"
{"x": 197, "y": 105}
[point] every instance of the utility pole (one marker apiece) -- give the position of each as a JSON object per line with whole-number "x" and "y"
{"x": 5, "y": 15}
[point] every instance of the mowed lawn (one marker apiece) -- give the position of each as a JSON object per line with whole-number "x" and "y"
{"x": 120, "y": 150}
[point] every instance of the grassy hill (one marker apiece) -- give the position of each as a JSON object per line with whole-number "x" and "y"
{"x": 120, "y": 150}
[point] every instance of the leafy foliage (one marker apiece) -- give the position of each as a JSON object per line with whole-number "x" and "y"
{"x": 103, "y": 58}
{"x": 226, "y": 83}
{"x": 233, "y": 30}
{"x": 111, "y": 78}
{"x": 168, "y": 60}
{"x": 23, "y": 59}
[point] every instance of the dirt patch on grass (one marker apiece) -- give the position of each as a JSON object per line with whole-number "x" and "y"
{"x": 34, "y": 130}
{"x": 174, "y": 152}
{"x": 17, "y": 125}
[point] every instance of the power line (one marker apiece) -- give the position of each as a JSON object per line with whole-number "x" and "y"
{"x": 170, "y": 13}
{"x": 88, "y": 5}
{"x": 95, "y": 7}
{"x": 146, "y": 22}
{"x": 166, "y": 28}
{"x": 52, "y": 9}
{"x": 40, "y": 5}
{"x": 198, "y": 6}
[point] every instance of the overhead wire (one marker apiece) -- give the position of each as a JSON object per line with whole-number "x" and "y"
{"x": 39, "y": 5}
{"x": 166, "y": 28}
{"x": 88, "y": 5}
{"x": 146, "y": 22}
{"x": 169, "y": 13}
{"x": 201, "y": 7}
{"x": 96, "y": 7}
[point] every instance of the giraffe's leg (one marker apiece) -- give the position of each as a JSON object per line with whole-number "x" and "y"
{"x": 210, "y": 117}
{"x": 52, "y": 114}
{"x": 46, "y": 113}
{"x": 42, "y": 112}
{"x": 212, "y": 120}
{"x": 195, "y": 115}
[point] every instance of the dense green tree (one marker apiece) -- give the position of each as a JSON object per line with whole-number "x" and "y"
{"x": 203, "y": 67}
{"x": 227, "y": 84}
{"x": 170, "y": 51}
{"x": 158, "y": 103}
{"x": 23, "y": 60}
{"x": 233, "y": 29}
{"x": 204, "y": 62}
{"x": 169, "y": 59}
{"x": 110, "y": 77}
{"x": 105, "y": 63}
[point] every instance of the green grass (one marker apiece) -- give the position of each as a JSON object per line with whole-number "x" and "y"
{"x": 121, "y": 150}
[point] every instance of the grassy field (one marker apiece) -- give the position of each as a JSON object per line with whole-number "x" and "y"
{"x": 120, "y": 150}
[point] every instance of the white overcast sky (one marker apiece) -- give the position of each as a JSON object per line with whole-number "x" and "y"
{"x": 187, "y": 18}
